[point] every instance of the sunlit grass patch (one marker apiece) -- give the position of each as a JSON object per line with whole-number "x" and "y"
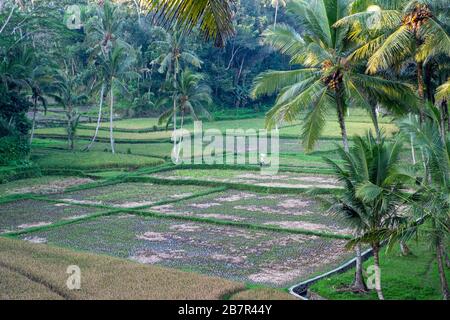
{"x": 93, "y": 160}
{"x": 264, "y": 257}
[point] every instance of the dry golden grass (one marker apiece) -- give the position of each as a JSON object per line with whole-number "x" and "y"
{"x": 262, "y": 294}
{"x": 31, "y": 271}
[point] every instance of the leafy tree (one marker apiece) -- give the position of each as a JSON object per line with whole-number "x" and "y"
{"x": 390, "y": 32}
{"x": 328, "y": 78}
{"x": 66, "y": 92}
{"x": 432, "y": 205}
{"x": 374, "y": 192}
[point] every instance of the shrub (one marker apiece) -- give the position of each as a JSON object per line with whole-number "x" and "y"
{"x": 13, "y": 150}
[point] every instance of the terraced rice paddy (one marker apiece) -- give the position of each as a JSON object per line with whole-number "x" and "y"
{"x": 281, "y": 180}
{"x": 129, "y": 195}
{"x": 242, "y": 254}
{"x": 25, "y": 214}
{"x": 284, "y": 211}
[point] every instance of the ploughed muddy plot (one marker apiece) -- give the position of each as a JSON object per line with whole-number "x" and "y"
{"x": 129, "y": 195}
{"x": 283, "y": 179}
{"x": 271, "y": 258}
{"x": 284, "y": 211}
{"x": 24, "y": 214}
{"x": 42, "y": 185}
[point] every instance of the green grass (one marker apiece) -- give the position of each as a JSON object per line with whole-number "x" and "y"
{"x": 94, "y": 160}
{"x": 403, "y": 278}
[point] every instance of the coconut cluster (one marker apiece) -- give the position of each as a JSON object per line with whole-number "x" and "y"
{"x": 420, "y": 15}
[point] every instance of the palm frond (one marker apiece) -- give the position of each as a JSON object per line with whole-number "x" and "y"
{"x": 214, "y": 17}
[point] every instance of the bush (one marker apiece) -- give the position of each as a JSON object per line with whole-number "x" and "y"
{"x": 13, "y": 150}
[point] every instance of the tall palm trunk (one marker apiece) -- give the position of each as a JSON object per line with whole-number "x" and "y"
{"x": 376, "y": 259}
{"x": 442, "y": 276}
{"x": 111, "y": 115}
{"x": 99, "y": 119}
{"x": 421, "y": 90}
{"x": 33, "y": 127}
{"x": 373, "y": 110}
{"x": 276, "y": 15}
{"x": 358, "y": 283}
{"x": 341, "y": 119}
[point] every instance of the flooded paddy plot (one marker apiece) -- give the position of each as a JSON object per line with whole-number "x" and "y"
{"x": 284, "y": 211}
{"x": 129, "y": 195}
{"x": 42, "y": 185}
{"x": 283, "y": 179}
{"x": 271, "y": 258}
{"x": 23, "y": 214}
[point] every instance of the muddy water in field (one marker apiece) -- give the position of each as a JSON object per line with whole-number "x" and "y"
{"x": 272, "y": 258}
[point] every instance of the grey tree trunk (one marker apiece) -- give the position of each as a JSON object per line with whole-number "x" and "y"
{"x": 276, "y": 15}
{"x": 99, "y": 119}
{"x": 442, "y": 276}
{"x": 375, "y": 122}
{"x": 33, "y": 127}
{"x": 358, "y": 283}
{"x": 111, "y": 116}
{"x": 376, "y": 259}
{"x": 404, "y": 249}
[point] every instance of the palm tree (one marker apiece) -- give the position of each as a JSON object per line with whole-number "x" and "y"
{"x": 433, "y": 195}
{"x": 170, "y": 61}
{"x": 213, "y": 17}
{"x": 38, "y": 81}
{"x": 328, "y": 78}
{"x": 67, "y": 94}
{"x": 191, "y": 97}
{"x": 276, "y": 4}
{"x": 374, "y": 193}
{"x": 442, "y": 97}
{"x": 403, "y": 29}
{"x": 103, "y": 31}
{"x": 116, "y": 66}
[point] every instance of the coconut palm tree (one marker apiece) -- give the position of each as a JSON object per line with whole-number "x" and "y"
{"x": 170, "y": 63}
{"x": 327, "y": 78}
{"x": 213, "y": 17}
{"x": 191, "y": 97}
{"x": 442, "y": 97}
{"x": 276, "y": 4}
{"x": 374, "y": 193}
{"x": 103, "y": 30}
{"x": 399, "y": 30}
{"x": 116, "y": 67}
{"x": 66, "y": 93}
{"x": 433, "y": 195}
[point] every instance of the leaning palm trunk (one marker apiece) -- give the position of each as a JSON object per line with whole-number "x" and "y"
{"x": 111, "y": 133}
{"x": 181, "y": 137}
{"x": 99, "y": 119}
{"x": 442, "y": 276}
{"x": 276, "y": 15}
{"x": 376, "y": 259}
{"x": 33, "y": 127}
{"x": 358, "y": 283}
